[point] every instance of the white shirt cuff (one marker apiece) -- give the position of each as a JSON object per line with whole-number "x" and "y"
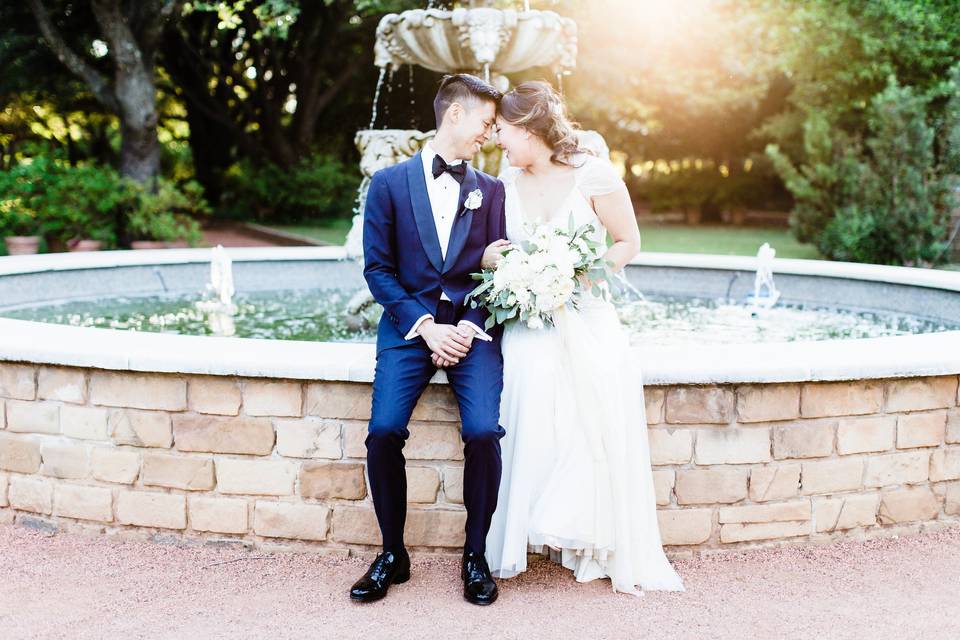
{"x": 416, "y": 325}
{"x": 480, "y": 332}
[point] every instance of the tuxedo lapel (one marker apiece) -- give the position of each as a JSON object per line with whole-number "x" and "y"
{"x": 461, "y": 223}
{"x": 423, "y": 212}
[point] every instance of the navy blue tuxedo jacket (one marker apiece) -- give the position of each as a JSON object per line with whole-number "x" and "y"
{"x": 403, "y": 264}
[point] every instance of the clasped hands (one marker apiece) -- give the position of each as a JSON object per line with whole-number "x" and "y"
{"x": 449, "y": 343}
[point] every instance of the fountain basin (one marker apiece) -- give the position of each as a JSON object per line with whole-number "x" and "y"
{"x": 498, "y": 40}
{"x": 759, "y": 444}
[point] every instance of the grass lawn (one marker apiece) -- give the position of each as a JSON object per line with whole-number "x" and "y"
{"x": 674, "y": 238}
{"x": 329, "y": 231}
{"x": 656, "y": 237}
{"x": 721, "y": 239}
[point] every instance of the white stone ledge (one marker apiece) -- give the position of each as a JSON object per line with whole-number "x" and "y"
{"x": 912, "y": 276}
{"x": 45, "y": 262}
{"x": 897, "y": 356}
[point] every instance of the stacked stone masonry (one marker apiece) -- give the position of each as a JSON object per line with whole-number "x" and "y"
{"x": 283, "y": 462}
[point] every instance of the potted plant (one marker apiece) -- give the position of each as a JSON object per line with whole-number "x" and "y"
{"x": 18, "y": 226}
{"x": 71, "y": 228}
{"x": 165, "y": 218}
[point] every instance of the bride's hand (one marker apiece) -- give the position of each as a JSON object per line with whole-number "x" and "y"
{"x": 494, "y": 253}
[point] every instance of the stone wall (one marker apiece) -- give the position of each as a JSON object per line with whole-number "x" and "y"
{"x": 280, "y": 464}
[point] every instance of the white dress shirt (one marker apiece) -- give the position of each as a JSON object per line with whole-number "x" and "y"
{"x": 444, "y": 194}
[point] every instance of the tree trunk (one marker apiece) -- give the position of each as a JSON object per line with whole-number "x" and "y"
{"x": 139, "y": 147}
{"x": 132, "y": 38}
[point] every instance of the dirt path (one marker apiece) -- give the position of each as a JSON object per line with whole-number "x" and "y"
{"x": 75, "y": 586}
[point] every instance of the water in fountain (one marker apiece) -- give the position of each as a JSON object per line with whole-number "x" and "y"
{"x": 321, "y": 314}
{"x": 386, "y": 104}
{"x": 413, "y": 99}
{"x": 376, "y": 97}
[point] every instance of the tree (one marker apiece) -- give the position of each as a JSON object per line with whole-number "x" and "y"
{"x": 887, "y": 200}
{"x": 131, "y": 33}
{"x": 273, "y": 82}
{"x": 668, "y": 83}
{"x": 837, "y": 56}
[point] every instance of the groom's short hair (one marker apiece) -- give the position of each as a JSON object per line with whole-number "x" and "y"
{"x": 462, "y": 88}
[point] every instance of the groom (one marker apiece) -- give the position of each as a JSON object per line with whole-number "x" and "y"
{"x": 426, "y": 224}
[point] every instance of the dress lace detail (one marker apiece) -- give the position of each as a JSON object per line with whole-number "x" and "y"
{"x": 576, "y": 477}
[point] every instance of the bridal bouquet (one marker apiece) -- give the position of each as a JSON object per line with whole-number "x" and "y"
{"x": 541, "y": 275}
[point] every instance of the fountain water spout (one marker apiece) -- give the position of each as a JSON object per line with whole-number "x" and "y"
{"x": 218, "y": 303}
{"x": 765, "y": 293}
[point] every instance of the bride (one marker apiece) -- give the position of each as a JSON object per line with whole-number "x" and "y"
{"x": 576, "y": 461}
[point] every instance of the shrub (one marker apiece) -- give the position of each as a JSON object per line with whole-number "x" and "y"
{"x": 62, "y": 202}
{"x": 166, "y": 214}
{"x": 317, "y": 186}
{"x": 16, "y": 218}
{"x": 68, "y": 202}
{"x": 885, "y": 201}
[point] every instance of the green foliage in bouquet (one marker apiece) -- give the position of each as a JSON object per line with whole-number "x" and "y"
{"x": 540, "y": 275}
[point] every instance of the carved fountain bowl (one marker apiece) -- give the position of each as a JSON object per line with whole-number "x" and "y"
{"x": 500, "y": 41}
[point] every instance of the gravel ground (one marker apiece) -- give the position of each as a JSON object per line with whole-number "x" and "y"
{"x": 77, "y": 586}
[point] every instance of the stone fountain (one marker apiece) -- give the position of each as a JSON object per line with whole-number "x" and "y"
{"x": 480, "y": 39}
{"x": 477, "y": 38}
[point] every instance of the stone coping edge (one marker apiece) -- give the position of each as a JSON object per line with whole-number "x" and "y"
{"x": 887, "y": 357}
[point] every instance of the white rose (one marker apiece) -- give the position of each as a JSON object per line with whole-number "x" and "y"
{"x": 543, "y": 283}
{"x": 546, "y": 303}
{"x": 534, "y": 322}
{"x": 501, "y": 277}
{"x": 558, "y": 245}
{"x": 538, "y": 261}
{"x": 474, "y": 200}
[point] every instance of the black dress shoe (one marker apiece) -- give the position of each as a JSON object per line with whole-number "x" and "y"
{"x": 389, "y": 568}
{"x": 478, "y": 585}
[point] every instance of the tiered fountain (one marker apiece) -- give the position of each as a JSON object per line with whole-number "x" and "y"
{"x": 479, "y": 39}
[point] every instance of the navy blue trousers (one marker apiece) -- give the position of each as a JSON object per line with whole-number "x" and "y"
{"x": 402, "y": 374}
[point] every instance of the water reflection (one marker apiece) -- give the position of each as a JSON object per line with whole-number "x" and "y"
{"x": 320, "y": 315}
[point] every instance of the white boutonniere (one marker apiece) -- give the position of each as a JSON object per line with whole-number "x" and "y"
{"x": 473, "y": 201}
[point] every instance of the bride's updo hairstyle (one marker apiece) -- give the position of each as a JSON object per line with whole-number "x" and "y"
{"x": 535, "y": 107}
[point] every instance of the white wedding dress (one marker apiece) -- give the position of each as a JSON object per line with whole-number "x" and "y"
{"x": 576, "y": 461}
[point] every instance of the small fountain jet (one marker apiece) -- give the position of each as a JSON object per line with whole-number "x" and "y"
{"x": 765, "y": 293}
{"x": 218, "y": 301}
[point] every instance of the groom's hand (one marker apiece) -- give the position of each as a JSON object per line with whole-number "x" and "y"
{"x": 467, "y": 332}
{"x": 439, "y": 362}
{"x": 445, "y": 340}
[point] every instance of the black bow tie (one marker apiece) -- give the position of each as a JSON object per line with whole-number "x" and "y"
{"x": 457, "y": 171}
